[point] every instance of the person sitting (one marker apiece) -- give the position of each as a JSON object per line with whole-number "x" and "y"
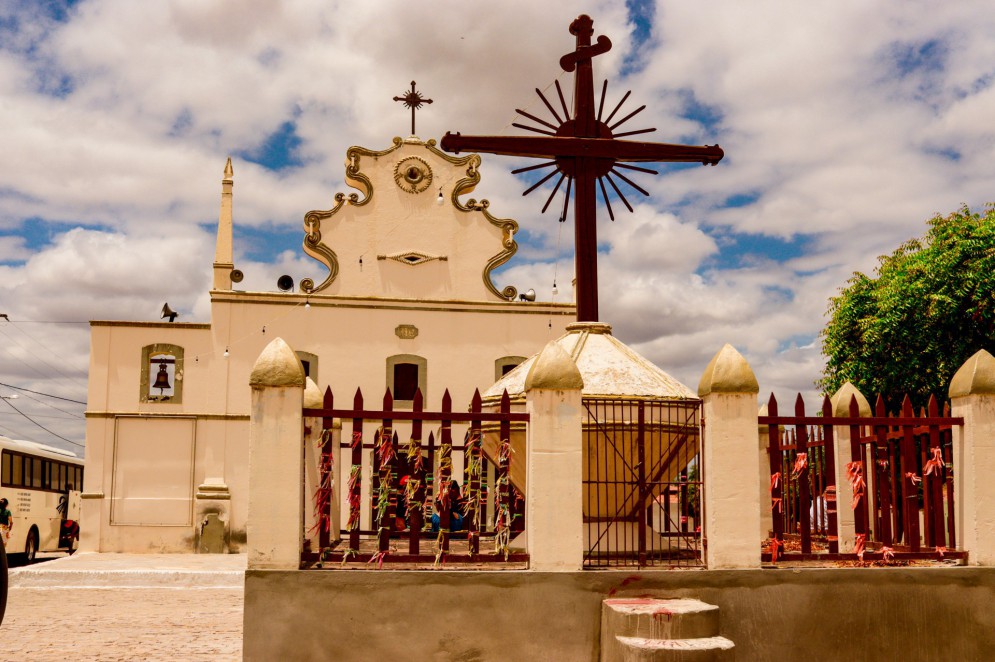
{"x": 455, "y": 500}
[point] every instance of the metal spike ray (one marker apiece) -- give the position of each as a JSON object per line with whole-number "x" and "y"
{"x": 630, "y": 182}
{"x": 535, "y": 119}
{"x": 619, "y": 193}
{"x": 601, "y": 104}
{"x": 604, "y": 194}
{"x": 533, "y": 129}
{"x": 627, "y": 117}
{"x": 566, "y": 200}
{"x": 535, "y": 167}
{"x": 539, "y": 183}
{"x": 548, "y": 105}
{"x": 633, "y": 133}
{"x": 553, "y": 194}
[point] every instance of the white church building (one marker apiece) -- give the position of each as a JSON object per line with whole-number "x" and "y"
{"x": 408, "y": 302}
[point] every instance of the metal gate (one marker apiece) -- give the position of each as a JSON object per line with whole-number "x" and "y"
{"x": 642, "y": 483}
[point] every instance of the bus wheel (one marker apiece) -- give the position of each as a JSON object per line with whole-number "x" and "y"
{"x": 31, "y": 546}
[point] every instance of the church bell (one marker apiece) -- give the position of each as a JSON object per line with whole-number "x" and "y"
{"x": 162, "y": 379}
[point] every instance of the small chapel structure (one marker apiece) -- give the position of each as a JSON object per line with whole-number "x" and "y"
{"x": 408, "y": 301}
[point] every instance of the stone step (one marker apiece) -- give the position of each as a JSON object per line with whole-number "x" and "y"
{"x": 651, "y": 619}
{"x": 701, "y": 649}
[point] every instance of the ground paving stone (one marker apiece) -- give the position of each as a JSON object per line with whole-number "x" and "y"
{"x": 113, "y": 623}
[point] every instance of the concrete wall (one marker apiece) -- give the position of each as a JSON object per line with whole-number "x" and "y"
{"x": 778, "y": 615}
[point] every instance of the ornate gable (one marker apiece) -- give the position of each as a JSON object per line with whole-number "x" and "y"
{"x": 406, "y": 234}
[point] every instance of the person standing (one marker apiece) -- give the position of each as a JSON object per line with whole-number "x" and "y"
{"x": 6, "y": 521}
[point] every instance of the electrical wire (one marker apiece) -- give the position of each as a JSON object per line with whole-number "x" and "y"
{"x": 31, "y": 353}
{"x": 46, "y": 349}
{"x": 48, "y": 395}
{"x": 74, "y": 443}
{"x": 42, "y": 402}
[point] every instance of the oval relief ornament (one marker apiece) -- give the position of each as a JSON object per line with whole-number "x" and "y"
{"x": 413, "y": 174}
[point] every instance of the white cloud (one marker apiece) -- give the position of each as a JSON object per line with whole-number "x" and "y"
{"x": 120, "y": 119}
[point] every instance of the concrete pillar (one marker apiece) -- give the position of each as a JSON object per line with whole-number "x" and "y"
{"x": 728, "y": 390}
{"x": 276, "y": 467}
{"x": 841, "y": 437}
{"x": 554, "y": 476}
{"x": 972, "y": 395}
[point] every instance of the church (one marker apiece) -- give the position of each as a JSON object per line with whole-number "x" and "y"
{"x": 408, "y": 301}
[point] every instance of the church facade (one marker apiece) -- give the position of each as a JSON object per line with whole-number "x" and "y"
{"x": 408, "y": 302}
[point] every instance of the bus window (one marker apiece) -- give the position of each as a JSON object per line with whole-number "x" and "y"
{"x": 79, "y": 478}
{"x": 53, "y": 475}
{"x": 18, "y": 471}
{"x": 62, "y": 478}
{"x": 5, "y": 472}
{"x": 36, "y": 473}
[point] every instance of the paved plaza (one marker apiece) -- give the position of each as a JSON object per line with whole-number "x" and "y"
{"x": 126, "y": 607}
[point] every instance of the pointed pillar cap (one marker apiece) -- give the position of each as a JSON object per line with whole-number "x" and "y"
{"x": 975, "y": 377}
{"x": 277, "y": 365}
{"x": 312, "y": 395}
{"x": 554, "y": 370}
{"x": 728, "y": 372}
{"x": 229, "y": 171}
{"x": 841, "y": 401}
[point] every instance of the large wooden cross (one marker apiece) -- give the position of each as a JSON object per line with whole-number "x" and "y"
{"x": 584, "y": 149}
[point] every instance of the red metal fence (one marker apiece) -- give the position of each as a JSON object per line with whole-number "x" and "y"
{"x": 899, "y": 471}
{"x": 412, "y": 482}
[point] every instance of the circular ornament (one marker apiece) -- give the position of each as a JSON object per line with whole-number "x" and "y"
{"x": 412, "y": 174}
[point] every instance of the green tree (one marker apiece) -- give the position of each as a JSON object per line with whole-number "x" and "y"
{"x": 929, "y": 308}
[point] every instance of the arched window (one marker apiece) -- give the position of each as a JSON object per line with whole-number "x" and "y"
{"x": 162, "y": 374}
{"x": 310, "y": 363}
{"x": 406, "y": 373}
{"x": 506, "y": 364}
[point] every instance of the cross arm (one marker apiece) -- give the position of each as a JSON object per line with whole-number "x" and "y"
{"x": 598, "y": 148}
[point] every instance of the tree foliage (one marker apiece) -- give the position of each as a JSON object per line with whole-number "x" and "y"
{"x": 929, "y": 308}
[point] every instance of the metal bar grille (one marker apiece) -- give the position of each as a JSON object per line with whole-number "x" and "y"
{"x": 642, "y": 483}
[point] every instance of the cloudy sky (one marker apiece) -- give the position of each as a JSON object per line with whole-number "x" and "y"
{"x": 845, "y": 125}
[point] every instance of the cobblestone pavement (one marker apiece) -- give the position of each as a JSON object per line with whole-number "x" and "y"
{"x": 76, "y": 623}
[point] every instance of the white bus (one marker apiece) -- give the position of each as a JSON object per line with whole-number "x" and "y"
{"x": 42, "y": 485}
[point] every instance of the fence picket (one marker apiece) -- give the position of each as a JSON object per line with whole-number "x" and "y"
{"x": 325, "y": 466}
{"x": 829, "y": 472}
{"x": 355, "y": 475}
{"x": 776, "y": 479}
{"x": 414, "y": 491}
{"x": 910, "y": 490}
{"x": 385, "y": 456}
{"x": 474, "y": 462}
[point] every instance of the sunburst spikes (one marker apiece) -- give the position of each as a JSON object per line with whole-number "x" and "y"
{"x": 533, "y": 129}
{"x": 618, "y": 106}
{"x": 533, "y": 167}
{"x": 630, "y": 183}
{"x": 535, "y": 119}
{"x": 633, "y": 133}
{"x": 559, "y": 91}
{"x": 604, "y": 194}
{"x": 601, "y": 104}
{"x": 566, "y": 200}
{"x": 619, "y": 193}
{"x": 549, "y": 105}
{"x": 553, "y": 194}
{"x": 539, "y": 183}
{"x": 627, "y": 117}
{"x": 638, "y": 168}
